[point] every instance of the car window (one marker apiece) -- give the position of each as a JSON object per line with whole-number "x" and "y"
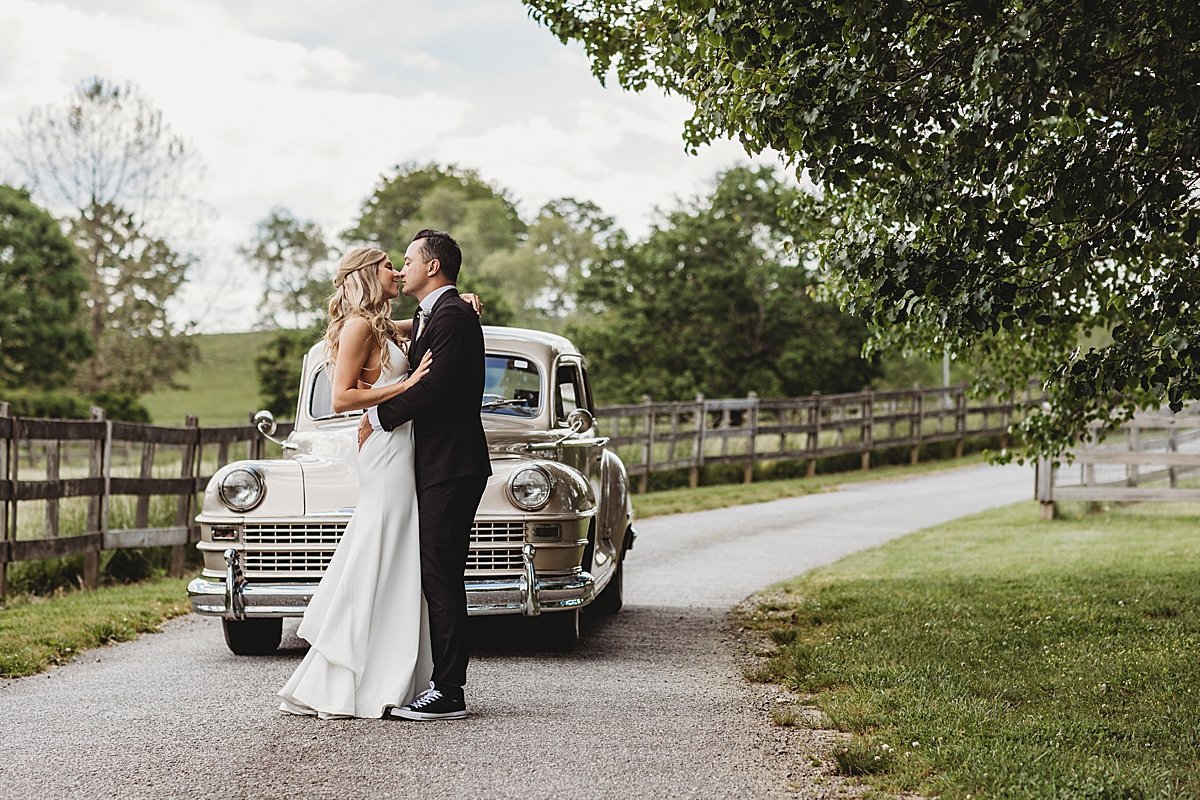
{"x": 320, "y": 398}
{"x": 512, "y": 386}
{"x": 569, "y": 392}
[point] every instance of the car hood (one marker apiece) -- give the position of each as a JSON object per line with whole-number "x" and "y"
{"x": 321, "y": 475}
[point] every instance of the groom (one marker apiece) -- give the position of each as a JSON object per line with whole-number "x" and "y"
{"x": 452, "y": 464}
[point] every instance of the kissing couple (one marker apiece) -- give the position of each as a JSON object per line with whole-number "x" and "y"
{"x": 388, "y": 622}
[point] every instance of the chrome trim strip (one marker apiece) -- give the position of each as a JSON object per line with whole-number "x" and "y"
{"x": 529, "y": 583}
{"x": 485, "y": 597}
{"x": 235, "y": 606}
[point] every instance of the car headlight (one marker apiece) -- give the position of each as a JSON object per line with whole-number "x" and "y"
{"x": 242, "y": 489}
{"x": 529, "y": 488}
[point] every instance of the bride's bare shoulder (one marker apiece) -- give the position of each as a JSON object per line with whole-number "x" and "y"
{"x": 354, "y": 329}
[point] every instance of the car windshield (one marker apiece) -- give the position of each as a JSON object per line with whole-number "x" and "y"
{"x": 320, "y": 399}
{"x": 512, "y": 386}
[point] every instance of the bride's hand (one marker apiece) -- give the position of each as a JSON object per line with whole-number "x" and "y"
{"x": 475, "y": 302}
{"x": 420, "y": 372}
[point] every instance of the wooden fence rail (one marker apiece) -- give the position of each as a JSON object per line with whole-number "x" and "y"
{"x": 46, "y": 462}
{"x": 121, "y": 469}
{"x": 1153, "y": 456}
{"x": 657, "y": 437}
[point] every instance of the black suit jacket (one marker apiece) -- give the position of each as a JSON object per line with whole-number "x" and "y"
{"x": 444, "y": 405}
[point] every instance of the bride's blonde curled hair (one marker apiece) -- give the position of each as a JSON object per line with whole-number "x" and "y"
{"x": 357, "y": 292}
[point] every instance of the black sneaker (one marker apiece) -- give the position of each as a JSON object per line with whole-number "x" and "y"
{"x": 431, "y": 704}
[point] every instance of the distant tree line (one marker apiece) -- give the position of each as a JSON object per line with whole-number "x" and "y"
{"x": 718, "y": 298}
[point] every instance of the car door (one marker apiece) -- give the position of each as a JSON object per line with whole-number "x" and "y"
{"x": 584, "y": 452}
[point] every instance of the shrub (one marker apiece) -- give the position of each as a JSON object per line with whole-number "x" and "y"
{"x": 65, "y": 405}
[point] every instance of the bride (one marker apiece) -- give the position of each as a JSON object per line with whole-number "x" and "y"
{"x": 367, "y": 621}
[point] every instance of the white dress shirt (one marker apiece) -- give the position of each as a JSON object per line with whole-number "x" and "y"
{"x": 427, "y": 305}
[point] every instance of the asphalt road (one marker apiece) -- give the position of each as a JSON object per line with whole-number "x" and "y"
{"x": 652, "y": 704}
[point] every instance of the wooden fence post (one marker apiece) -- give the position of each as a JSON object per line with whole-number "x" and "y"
{"x": 1006, "y": 421}
{"x": 142, "y": 515}
{"x": 1173, "y": 447}
{"x": 183, "y": 510}
{"x": 648, "y": 447}
{"x": 752, "y": 419}
{"x": 698, "y": 446}
{"x": 1133, "y": 445}
{"x": 814, "y": 433}
{"x": 5, "y": 451}
{"x": 1044, "y": 477}
{"x": 867, "y": 428}
{"x": 960, "y": 421}
{"x": 53, "y": 451}
{"x": 918, "y": 426}
{"x": 99, "y": 466}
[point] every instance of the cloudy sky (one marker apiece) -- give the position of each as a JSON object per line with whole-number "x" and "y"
{"x": 304, "y": 104}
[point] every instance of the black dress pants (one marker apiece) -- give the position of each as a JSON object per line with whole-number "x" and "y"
{"x": 447, "y": 511}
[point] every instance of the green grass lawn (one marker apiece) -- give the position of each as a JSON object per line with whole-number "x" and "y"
{"x": 221, "y": 388}
{"x": 1003, "y": 656}
{"x": 39, "y": 632}
{"x": 706, "y": 498}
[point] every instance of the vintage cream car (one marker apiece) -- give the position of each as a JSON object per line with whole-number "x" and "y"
{"x": 549, "y": 539}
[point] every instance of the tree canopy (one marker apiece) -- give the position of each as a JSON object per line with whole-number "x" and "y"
{"x": 131, "y": 277}
{"x": 109, "y": 162}
{"x": 295, "y": 261}
{"x": 480, "y": 216}
{"x": 1013, "y": 181}
{"x": 540, "y": 278}
{"x": 713, "y": 302}
{"x": 42, "y": 341}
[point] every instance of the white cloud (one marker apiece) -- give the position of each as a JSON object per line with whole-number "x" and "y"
{"x": 304, "y": 103}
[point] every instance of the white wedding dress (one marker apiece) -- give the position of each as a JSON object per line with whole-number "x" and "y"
{"x": 367, "y": 621}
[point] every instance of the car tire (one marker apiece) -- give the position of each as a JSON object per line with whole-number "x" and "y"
{"x": 613, "y": 596}
{"x": 253, "y": 637}
{"x": 558, "y": 631}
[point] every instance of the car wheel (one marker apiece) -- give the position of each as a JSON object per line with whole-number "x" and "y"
{"x": 253, "y": 637}
{"x": 613, "y": 596}
{"x": 559, "y": 630}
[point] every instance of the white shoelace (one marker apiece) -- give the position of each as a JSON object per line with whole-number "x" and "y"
{"x": 428, "y": 696}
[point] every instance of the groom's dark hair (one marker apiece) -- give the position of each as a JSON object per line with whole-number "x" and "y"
{"x": 441, "y": 245}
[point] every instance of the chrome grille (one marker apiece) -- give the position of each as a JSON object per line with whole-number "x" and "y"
{"x": 295, "y": 533}
{"x": 496, "y": 547}
{"x": 305, "y": 548}
{"x": 279, "y": 564}
{"x": 498, "y": 532}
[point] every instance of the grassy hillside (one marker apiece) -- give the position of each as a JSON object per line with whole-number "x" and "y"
{"x": 221, "y": 388}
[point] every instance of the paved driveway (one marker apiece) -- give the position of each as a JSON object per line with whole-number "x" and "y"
{"x": 652, "y": 704}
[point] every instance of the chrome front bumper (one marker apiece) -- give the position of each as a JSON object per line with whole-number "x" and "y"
{"x": 236, "y": 598}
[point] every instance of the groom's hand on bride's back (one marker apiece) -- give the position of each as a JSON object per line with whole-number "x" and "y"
{"x": 364, "y": 430}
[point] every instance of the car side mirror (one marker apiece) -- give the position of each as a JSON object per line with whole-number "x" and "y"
{"x": 264, "y": 421}
{"x": 580, "y": 420}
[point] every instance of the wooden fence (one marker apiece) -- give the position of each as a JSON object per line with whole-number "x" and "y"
{"x": 1153, "y": 456}
{"x": 657, "y": 437}
{"x": 89, "y": 469}
{"x": 116, "y": 478}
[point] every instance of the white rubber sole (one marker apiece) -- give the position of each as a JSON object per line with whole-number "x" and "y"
{"x": 424, "y": 716}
